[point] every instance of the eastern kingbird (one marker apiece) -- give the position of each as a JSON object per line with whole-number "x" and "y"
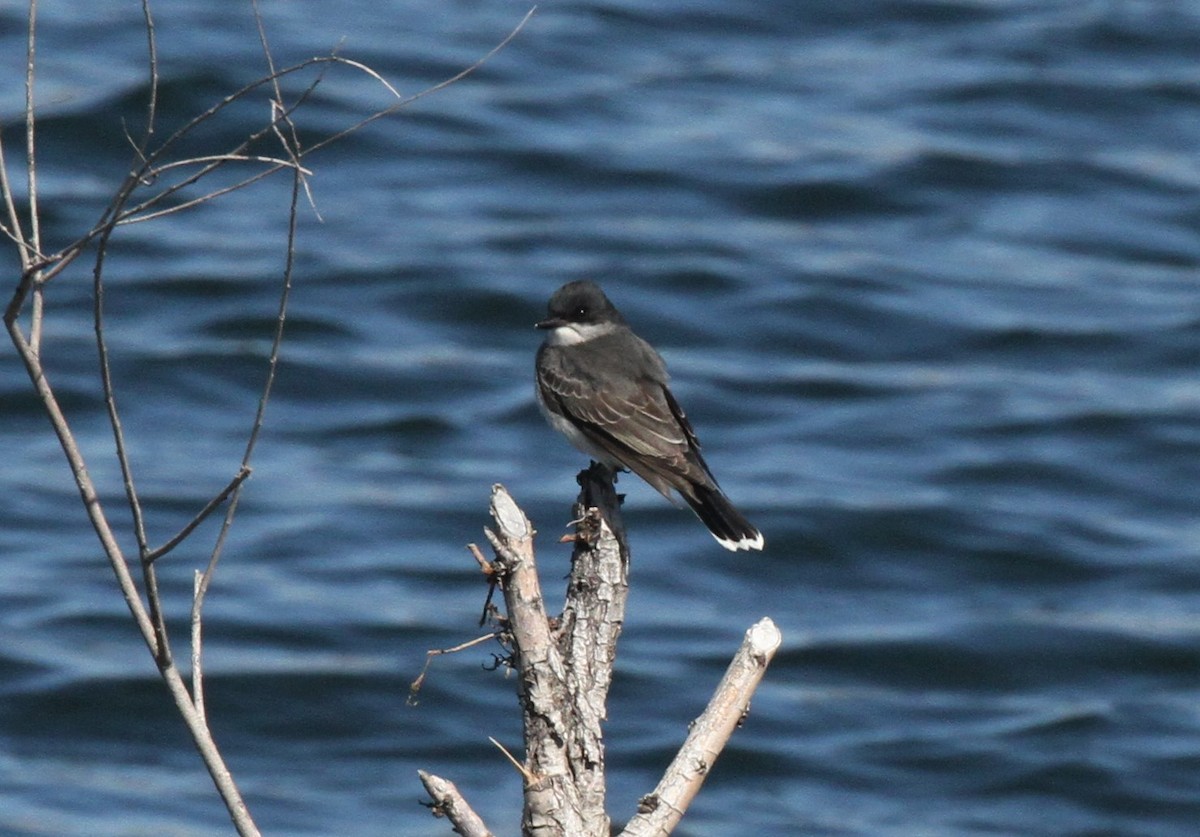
{"x": 605, "y": 389}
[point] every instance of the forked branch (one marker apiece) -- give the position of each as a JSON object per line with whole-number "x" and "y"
{"x": 158, "y": 176}
{"x": 564, "y": 670}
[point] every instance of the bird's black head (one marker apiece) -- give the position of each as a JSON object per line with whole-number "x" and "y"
{"x": 580, "y": 303}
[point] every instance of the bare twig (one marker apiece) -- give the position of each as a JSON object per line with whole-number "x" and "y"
{"x": 660, "y": 811}
{"x": 35, "y": 233}
{"x": 489, "y": 573}
{"x": 198, "y": 654}
{"x": 484, "y": 564}
{"x": 415, "y": 687}
{"x": 276, "y": 162}
{"x": 138, "y": 213}
{"x": 201, "y": 516}
{"x": 449, "y": 803}
{"x": 110, "y": 401}
{"x": 152, "y": 70}
{"x": 292, "y": 141}
{"x": 10, "y": 226}
{"x": 528, "y": 777}
{"x": 35, "y": 236}
{"x": 416, "y": 96}
{"x": 149, "y": 575}
{"x": 143, "y": 196}
{"x": 83, "y": 481}
{"x": 264, "y": 397}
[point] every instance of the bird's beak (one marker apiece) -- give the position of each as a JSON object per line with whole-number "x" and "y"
{"x": 551, "y": 322}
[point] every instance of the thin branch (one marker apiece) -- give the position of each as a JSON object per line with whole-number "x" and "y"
{"x": 525, "y": 774}
{"x": 83, "y": 481}
{"x": 152, "y": 69}
{"x": 449, "y": 803}
{"x": 139, "y": 213}
{"x": 256, "y": 427}
{"x": 485, "y": 566}
{"x": 35, "y": 237}
{"x": 416, "y": 685}
{"x": 198, "y": 654}
{"x": 280, "y": 115}
{"x": 137, "y": 216}
{"x": 209, "y": 508}
{"x": 266, "y": 49}
{"x": 122, "y": 451}
{"x": 12, "y": 229}
{"x": 157, "y": 617}
{"x": 285, "y": 295}
{"x": 239, "y": 814}
{"x": 150, "y": 164}
{"x": 439, "y": 86}
{"x": 277, "y": 163}
{"x": 659, "y": 812}
{"x": 358, "y": 65}
{"x": 110, "y": 400}
{"x": 35, "y": 232}
{"x": 149, "y": 576}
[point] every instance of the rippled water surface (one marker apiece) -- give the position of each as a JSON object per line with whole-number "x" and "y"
{"x": 925, "y": 274}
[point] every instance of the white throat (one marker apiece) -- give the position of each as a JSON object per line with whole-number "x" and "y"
{"x": 572, "y": 334}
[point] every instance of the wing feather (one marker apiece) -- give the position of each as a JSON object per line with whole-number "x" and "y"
{"x": 634, "y": 419}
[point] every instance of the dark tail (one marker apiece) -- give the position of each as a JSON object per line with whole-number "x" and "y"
{"x": 728, "y": 525}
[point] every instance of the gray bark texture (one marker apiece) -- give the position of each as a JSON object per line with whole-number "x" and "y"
{"x": 565, "y": 666}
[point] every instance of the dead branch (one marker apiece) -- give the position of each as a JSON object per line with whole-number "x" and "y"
{"x": 414, "y": 688}
{"x": 659, "y": 812}
{"x": 565, "y": 668}
{"x": 551, "y": 799}
{"x": 449, "y": 803}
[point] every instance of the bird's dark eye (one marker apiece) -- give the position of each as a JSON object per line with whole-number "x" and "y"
{"x": 581, "y": 311}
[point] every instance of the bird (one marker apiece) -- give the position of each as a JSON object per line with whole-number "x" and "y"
{"x": 605, "y": 389}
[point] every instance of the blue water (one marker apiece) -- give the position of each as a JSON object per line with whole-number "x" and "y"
{"x": 925, "y": 274}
